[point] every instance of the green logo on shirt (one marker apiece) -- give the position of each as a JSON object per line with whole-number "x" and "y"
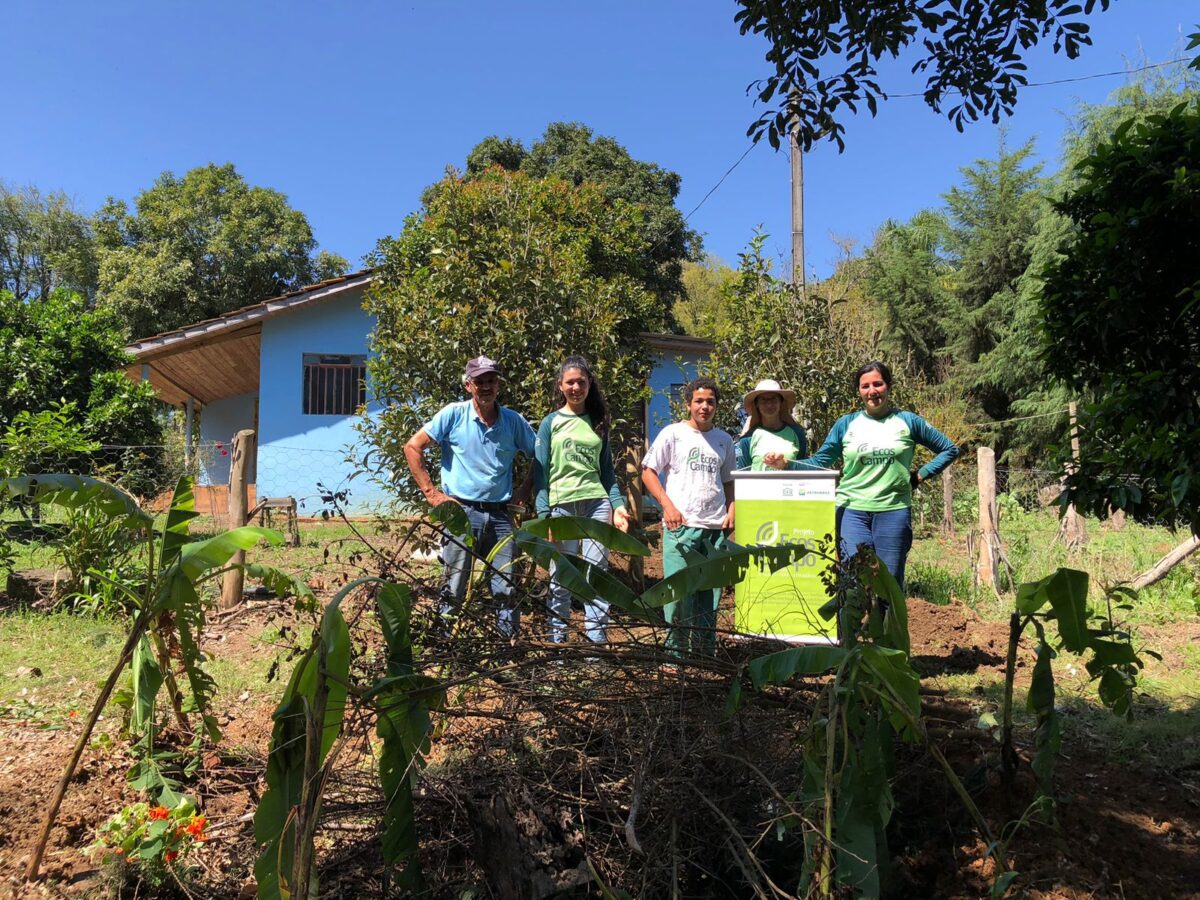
{"x": 702, "y": 462}
{"x": 578, "y": 453}
{"x": 875, "y": 456}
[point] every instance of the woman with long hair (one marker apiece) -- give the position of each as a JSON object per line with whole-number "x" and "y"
{"x": 573, "y": 473}
{"x": 876, "y": 447}
{"x": 771, "y": 438}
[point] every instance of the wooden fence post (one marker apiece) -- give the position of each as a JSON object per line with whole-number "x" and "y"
{"x": 1072, "y": 529}
{"x": 240, "y": 456}
{"x": 989, "y": 538}
{"x": 948, "y": 502}
{"x": 635, "y": 452}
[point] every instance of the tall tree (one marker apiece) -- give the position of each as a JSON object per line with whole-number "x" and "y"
{"x": 1121, "y": 308}
{"x": 573, "y": 152}
{"x": 199, "y": 246}
{"x": 972, "y": 55}
{"x": 45, "y": 243}
{"x": 910, "y": 275}
{"x": 992, "y": 215}
{"x": 526, "y": 270}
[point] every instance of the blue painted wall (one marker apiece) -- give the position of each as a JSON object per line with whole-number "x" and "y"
{"x": 672, "y": 370}
{"x": 219, "y": 422}
{"x": 296, "y": 451}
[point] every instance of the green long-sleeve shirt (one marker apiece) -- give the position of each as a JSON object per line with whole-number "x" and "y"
{"x": 876, "y": 456}
{"x": 572, "y": 462}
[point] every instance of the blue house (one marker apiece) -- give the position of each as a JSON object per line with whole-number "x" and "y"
{"x": 292, "y": 369}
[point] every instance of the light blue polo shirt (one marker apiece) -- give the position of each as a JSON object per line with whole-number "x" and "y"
{"x": 477, "y": 459}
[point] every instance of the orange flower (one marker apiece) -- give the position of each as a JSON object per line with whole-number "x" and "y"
{"x": 171, "y": 856}
{"x": 160, "y": 812}
{"x": 73, "y": 713}
{"x": 196, "y": 829}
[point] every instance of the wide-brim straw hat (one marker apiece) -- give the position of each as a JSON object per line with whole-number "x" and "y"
{"x": 768, "y": 386}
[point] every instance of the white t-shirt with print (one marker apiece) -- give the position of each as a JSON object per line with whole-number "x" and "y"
{"x": 694, "y": 467}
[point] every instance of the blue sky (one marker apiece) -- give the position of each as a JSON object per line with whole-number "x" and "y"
{"x": 352, "y": 108}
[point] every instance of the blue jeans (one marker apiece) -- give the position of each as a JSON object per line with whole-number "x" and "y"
{"x": 488, "y": 529}
{"x": 888, "y": 533}
{"x": 595, "y": 611}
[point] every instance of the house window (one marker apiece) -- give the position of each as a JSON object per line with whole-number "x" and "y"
{"x": 334, "y": 385}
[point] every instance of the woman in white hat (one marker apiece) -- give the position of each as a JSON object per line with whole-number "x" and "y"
{"x": 771, "y": 438}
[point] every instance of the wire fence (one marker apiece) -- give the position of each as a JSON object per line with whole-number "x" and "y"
{"x": 278, "y": 475}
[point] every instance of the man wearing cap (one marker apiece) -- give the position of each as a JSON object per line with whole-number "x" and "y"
{"x": 771, "y": 438}
{"x": 479, "y": 440}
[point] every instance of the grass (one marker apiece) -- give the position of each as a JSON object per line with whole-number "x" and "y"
{"x": 939, "y": 568}
{"x": 71, "y": 652}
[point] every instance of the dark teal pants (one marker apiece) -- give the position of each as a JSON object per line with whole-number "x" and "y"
{"x": 691, "y": 621}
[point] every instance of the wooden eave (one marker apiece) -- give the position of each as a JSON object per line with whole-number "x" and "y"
{"x": 679, "y": 343}
{"x": 219, "y": 358}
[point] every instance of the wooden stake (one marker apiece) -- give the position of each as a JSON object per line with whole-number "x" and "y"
{"x": 243, "y": 451}
{"x": 948, "y": 502}
{"x": 989, "y": 539}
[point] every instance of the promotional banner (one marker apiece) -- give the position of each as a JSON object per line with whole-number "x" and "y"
{"x": 785, "y": 508}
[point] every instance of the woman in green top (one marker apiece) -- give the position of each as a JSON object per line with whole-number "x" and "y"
{"x": 876, "y": 447}
{"x": 771, "y": 438}
{"x": 573, "y": 472}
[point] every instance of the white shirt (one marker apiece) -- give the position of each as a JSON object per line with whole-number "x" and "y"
{"x": 694, "y": 467}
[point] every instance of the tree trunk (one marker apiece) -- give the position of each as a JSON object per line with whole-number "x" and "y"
{"x": 1159, "y": 570}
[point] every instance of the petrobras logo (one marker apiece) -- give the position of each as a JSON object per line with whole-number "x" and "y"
{"x": 767, "y": 534}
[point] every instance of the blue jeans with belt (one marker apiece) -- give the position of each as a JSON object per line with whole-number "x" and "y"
{"x": 888, "y": 533}
{"x": 491, "y": 525}
{"x": 595, "y": 610}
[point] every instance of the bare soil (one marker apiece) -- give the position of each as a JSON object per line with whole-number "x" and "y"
{"x": 1123, "y": 832}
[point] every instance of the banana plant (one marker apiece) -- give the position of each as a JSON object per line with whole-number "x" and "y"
{"x": 169, "y": 613}
{"x": 872, "y": 698}
{"x": 308, "y": 722}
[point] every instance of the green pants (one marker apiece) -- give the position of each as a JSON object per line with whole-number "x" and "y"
{"x": 691, "y": 621}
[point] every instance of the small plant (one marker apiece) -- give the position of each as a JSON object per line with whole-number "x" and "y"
{"x": 149, "y": 844}
{"x": 165, "y": 630}
{"x": 1113, "y": 664}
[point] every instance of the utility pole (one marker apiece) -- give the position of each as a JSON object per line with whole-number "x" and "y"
{"x": 798, "y": 276}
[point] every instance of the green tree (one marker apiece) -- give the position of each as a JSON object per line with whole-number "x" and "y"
{"x": 972, "y": 56}
{"x": 1040, "y": 400}
{"x": 199, "y": 246}
{"x": 45, "y": 243}
{"x": 1121, "y": 310}
{"x": 703, "y": 309}
{"x": 571, "y": 151}
{"x": 911, "y": 276}
{"x": 993, "y": 216}
{"x": 58, "y": 355}
{"x": 777, "y": 331}
{"x": 527, "y": 270}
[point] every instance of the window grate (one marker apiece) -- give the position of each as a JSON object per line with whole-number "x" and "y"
{"x": 334, "y": 385}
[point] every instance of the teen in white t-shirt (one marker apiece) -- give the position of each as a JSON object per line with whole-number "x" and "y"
{"x": 689, "y": 471}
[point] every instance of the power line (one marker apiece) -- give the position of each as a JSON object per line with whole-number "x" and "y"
{"x": 1145, "y": 68}
{"x": 720, "y": 181}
